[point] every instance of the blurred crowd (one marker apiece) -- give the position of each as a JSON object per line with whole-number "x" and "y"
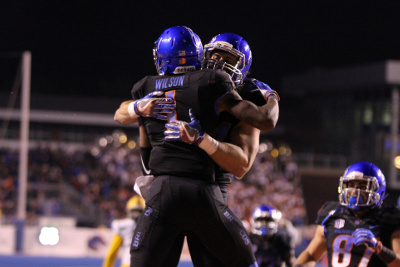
{"x": 104, "y": 176}
{"x": 271, "y": 181}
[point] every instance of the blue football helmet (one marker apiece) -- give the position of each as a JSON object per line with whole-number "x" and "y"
{"x": 264, "y": 221}
{"x": 235, "y": 45}
{"x": 177, "y": 50}
{"x": 362, "y": 185}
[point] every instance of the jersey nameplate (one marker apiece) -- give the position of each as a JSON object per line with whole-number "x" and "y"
{"x": 169, "y": 82}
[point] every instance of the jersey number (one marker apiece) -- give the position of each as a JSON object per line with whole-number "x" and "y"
{"x": 172, "y": 115}
{"x": 341, "y": 254}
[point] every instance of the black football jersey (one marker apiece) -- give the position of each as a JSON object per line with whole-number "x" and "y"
{"x": 199, "y": 90}
{"x": 272, "y": 252}
{"x": 249, "y": 91}
{"x": 339, "y": 224}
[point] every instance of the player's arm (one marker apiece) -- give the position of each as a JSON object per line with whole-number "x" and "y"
{"x": 314, "y": 251}
{"x": 396, "y": 248}
{"x": 263, "y": 118}
{"x": 122, "y": 116}
{"x": 149, "y": 106}
{"x": 142, "y": 182}
{"x": 145, "y": 150}
{"x": 112, "y": 252}
{"x": 236, "y": 159}
{"x": 238, "y": 155}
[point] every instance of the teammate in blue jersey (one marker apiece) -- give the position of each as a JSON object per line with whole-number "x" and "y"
{"x": 358, "y": 230}
{"x": 230, "y": 52}
{"x": 272, "y": 243}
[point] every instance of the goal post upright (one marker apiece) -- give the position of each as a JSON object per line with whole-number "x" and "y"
{"x": 24, "y": 146}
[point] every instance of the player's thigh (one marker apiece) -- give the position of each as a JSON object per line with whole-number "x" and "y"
{"x": 154, "y": 236}
{"x": 224, "y": 235}
{"x": 200, "y": 254}
{"x": 174, "y": 254}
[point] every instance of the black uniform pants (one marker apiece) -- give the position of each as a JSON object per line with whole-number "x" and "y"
{"x": 178, "y": 206}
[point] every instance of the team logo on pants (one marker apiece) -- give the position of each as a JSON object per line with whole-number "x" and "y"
{"x": 136, "y": 239}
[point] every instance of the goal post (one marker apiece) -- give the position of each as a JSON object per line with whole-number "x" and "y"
{"x": 24, "y": 147}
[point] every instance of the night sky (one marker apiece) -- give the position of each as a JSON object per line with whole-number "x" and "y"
{"x": 100, "y": 48}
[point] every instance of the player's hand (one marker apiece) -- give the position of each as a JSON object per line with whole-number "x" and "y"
{"x": 366, "y": 237}
{"x": 191, "y": 133}
{"x": 153, "y": 106}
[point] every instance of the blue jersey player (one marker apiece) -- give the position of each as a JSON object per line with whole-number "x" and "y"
{"x": 183, "y": 196}
{"x": 357, "y": 230}
{"x": 165, "y": 83}
{"x": 230, "y": 52}
{"x": 272, "y": 243}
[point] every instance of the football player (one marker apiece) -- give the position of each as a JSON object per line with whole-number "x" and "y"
{"x": 123, "y": 231}
{"x": 272, "y": 244}
{"x": 231, "y": 53}
{"x": 184, "y": 174}
{"x": 357, "y": 230}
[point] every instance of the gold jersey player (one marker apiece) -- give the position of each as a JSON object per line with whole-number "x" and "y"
{"x": 123, "y": 231}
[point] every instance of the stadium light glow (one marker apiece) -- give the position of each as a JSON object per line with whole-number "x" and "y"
{"x": 123, "y": 139}
{"x": 103, "y": 142}
{"x": 275, "y": 153}
{"x": 131, "y": 144}
{"x": 397, "y": 162}
{"x": 262, "y": 148}
{"x": 49, "y": 236}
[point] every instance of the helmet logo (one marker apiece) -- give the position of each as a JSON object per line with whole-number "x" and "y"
{"x": 183, "y": 69}
{"x": 355, "y": 174}
{"x": 182, "y": 61}
{"x": 224, "y": 44}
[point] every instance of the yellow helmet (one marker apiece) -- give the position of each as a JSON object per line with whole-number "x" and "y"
{"x": 135, "y": 203}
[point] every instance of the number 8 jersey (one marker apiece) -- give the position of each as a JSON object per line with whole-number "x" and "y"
{"x": 339, "y": 224}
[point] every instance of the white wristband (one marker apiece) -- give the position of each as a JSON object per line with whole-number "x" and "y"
{"x": 131, "y": 110}
{"x": 209, "y": 144}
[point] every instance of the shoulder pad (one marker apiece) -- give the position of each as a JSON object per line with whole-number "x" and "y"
{"x": 222, "y": 76}
{"x": 389, "y": 215}
{"x": 136, "y": 94}
{"x": 326, "y": 211}
{"x": 250, "y": 91}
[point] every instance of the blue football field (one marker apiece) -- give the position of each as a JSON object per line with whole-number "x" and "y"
{"x": 29, "y": 261}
